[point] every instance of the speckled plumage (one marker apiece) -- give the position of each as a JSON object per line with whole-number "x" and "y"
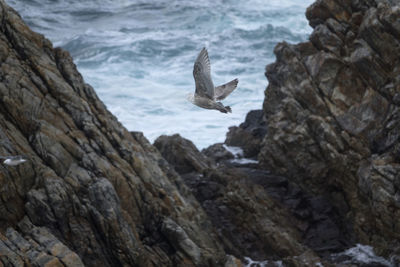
{"x": 206, "y": 94}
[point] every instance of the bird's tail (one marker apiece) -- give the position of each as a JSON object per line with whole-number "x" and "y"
{"x": 222, "y": 108}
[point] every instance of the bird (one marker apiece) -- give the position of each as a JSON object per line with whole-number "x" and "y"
{"x": 206, "y": 95}
{"x": 13, "y": 160}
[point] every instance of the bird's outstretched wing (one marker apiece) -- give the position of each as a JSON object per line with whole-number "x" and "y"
{"x": 202, "y": 75}
{"x": 224, "y": 90}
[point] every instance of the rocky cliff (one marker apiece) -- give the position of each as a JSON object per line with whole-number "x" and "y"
{"x": 91, "y": 193}
{"x": 327, "y": 143}
{"x": 332, "y": 109}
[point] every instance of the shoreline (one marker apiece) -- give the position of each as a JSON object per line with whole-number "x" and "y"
{"x": 323, "y": 176}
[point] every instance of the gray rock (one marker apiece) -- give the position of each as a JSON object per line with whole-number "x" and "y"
{"x": 333, "y": 118}
{"x": 178, "y": 237}
{"x": 249, "y": 134}
{"x": 38, "y": 247}
{"x": 217, "y": 152}
{"x": 252, "y": 209}
{"x": 94, "y": 193}
{"x": 182, "y": 154}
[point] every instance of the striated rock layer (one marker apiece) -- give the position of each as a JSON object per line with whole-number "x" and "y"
{"x": 333, "y": 114}
{"x": 256, "y": 213}
{"x": 91, "y": 193}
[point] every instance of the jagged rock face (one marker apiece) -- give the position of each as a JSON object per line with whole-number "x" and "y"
{"x": 39, "y": 247}
{"x": 217, "y": 152}
{"x": 249, "y": 134}
{"x": 333, "y": 113}
{"x": 256, "y": 213}
{"x": 91, "y": 192}
{"x": 248, "y": 221}
{"x": 182, "y": 154}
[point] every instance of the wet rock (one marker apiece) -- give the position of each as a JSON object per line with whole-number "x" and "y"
{"x": 304, "y": 260}
{"x": 233, "y": 262}
{"x": 218, "y": 152}
{"x": 361, "y": 255}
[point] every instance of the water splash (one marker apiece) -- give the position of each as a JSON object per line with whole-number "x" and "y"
{"x": 139, "y": 55}
{"x": 251, "y": 263}
{"x": 359, "y": 255}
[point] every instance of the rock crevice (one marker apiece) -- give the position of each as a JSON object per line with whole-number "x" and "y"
{"x": 89, "y": 184}
{"x": 327, "y": 144}
{"x": 332, "y": 112}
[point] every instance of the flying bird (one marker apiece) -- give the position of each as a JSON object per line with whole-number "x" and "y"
{"x": 13, "y": 160}
{"x": 206, "y": 95}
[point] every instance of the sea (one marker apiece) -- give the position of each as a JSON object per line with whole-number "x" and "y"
{"x": 359, "y": 255}
{"x": 139, "y": 55}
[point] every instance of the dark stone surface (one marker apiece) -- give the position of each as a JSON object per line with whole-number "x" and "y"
{"x": 217, "y": 152}
{"x": 332, "y": 116}
{"x": 249, "y": 134}
{"x": 182, "y": 154}
{"x": 250, "y": 207}
{"x": 91, "y": 193}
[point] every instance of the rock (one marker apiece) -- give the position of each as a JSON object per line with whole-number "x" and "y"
{"x": 249, "y": 134}
{"x": 217, "y": 152}
{"x": 178, "y": 237}
{"x": 91, "y": 193}
{"x": 332, "y": 116}
{"x": 304, "y": 260}
{"x": 233, "y": 262}
{"x": 182, "y": 154}
{"x": 320, "y": 223}
{"x": 324, "y": 39}
{"x": 39, "y": 247}
{"x": 259, "y": 214}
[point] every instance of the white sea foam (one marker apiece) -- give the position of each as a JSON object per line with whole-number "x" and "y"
{"x": 244, "y": 161}
{"x": 238, "y": 154}
{"x": 358, "y": 255}
{"x": 138, "y": 55}
{"x": 235, "y": 150}
{"x": 253, "y": 263}
{"x": 361, "y": 254}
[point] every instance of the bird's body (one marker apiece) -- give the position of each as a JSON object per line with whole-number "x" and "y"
{"x": 207, "y": 103}
{"x": 206, "y": 95}
{"x": 13, "y": 160}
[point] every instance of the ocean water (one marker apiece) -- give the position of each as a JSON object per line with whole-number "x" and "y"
{"x": 359, "y": 255}
{"x": 139, "y": 55}
{"x": 362, "y": 255}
